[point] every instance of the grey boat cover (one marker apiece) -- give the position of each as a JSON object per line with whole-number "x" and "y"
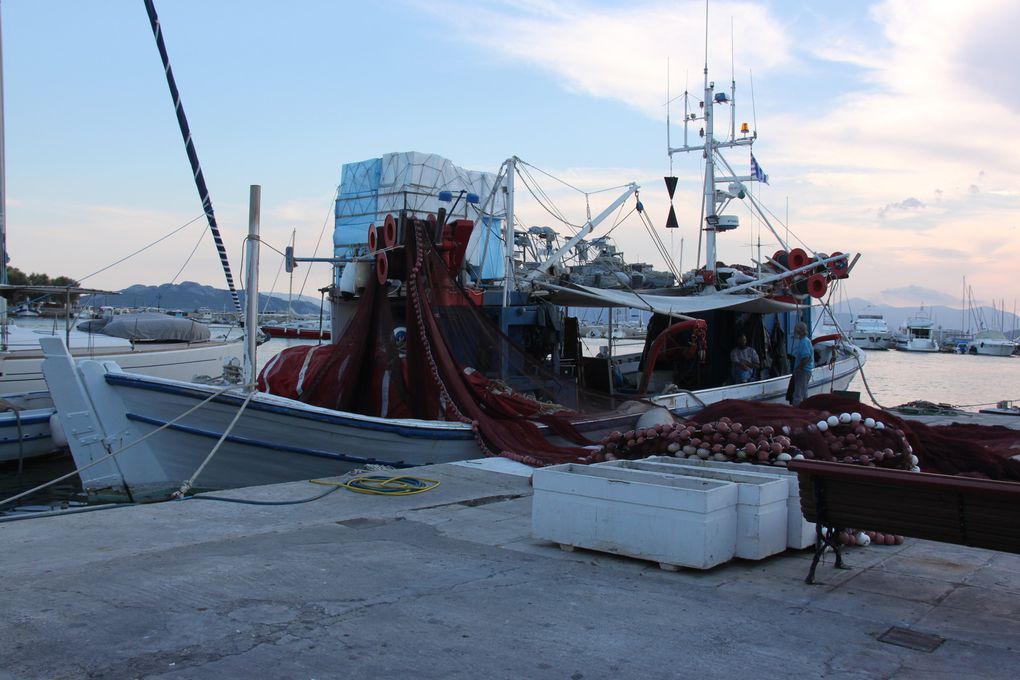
{"x": 149, "y": 327}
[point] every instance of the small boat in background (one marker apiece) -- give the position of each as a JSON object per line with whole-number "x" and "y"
{"x": 991, "y": 343}
{"x": 304, "y": 330}
{"x": 870, "y": 331}
{"x": 917, "y": 336}
{"x": 1002, "y": 408}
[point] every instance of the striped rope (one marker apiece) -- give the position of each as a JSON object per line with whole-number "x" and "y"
{"x": 189, "y": 145}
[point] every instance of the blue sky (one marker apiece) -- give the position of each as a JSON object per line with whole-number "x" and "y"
{"x": 888, "y": 126}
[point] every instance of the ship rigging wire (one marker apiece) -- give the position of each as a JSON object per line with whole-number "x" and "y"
{"x": 142, "y": 249}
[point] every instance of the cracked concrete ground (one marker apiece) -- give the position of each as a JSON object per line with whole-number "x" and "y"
{"x": 450, "y": 584}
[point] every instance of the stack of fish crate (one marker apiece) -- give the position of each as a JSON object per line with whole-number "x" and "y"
{"x": 668, "y": 511}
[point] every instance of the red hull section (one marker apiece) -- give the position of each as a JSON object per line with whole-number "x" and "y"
{"x": 299, "y": 333}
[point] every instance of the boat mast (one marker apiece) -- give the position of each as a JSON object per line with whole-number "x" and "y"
{"x": 189, "y": 144}
{"x": 3, "y": 174}
{"x": 713, "y": 199}
{"x": 508, "y": 231}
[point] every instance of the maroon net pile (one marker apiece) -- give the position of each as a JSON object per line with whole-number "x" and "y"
{"x": 434, "y": 353}
{"x": 756, "y": 432}
{"x": 827, "y": 427}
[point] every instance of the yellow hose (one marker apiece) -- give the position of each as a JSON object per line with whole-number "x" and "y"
{"x": 381, "y": 485}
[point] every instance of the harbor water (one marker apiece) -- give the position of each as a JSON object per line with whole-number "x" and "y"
{"x": 894, "y": 378}
{"x": 965, "y": 381}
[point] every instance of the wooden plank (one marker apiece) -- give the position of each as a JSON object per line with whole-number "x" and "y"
{"x": 966, "y": 511}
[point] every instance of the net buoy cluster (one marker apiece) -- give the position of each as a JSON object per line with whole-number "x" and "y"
{"x": 865, "y": 538}
{"x": 846, "y": 437}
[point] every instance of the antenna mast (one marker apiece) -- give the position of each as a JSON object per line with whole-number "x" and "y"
{"x": 715, "y": 200}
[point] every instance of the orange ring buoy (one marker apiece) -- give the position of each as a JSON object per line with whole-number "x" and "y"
{"x": 390, "y": 231}
{"x": 780, "y": 257}
{"x": 382, "y": 268}
{"x": 817, "y": 285}
{"x": 373, "y": 239}
{"x": 840, "y": 268}
{"x": 798, "y": 258}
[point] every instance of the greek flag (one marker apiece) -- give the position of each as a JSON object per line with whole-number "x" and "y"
{"x": 757, "y": 172}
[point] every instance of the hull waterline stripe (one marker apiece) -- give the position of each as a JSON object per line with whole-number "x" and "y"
{"x": 405, "y": 431}
{"x": 258, "y": 443}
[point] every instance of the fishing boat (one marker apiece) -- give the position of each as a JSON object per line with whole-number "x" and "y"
{"x": 449, "y": 342}
{"x": 168, "y": 351}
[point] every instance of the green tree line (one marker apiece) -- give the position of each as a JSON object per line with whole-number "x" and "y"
{"x": 16, "y": 277}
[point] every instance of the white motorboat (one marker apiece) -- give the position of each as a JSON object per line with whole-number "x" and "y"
{"x": 871, "y": 332}
{"x": 917, "y": 336}
{"x": 991, "y": 343}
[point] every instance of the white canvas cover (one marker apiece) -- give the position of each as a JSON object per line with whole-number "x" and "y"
{"x": 674, "y": 305}
{"x": 148, "y": 326}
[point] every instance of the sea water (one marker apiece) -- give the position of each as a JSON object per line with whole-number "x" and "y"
{"x": 965, "y": 381}
{"x": 893, "y": 377}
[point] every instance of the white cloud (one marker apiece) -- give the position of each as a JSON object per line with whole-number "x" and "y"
{"x": 620, "y": 52}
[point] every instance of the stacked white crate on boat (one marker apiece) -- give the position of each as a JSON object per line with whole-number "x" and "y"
{"x": 761, "y": 503}
{"x": 800, "y": 533}
{"x": 670, "y": 519}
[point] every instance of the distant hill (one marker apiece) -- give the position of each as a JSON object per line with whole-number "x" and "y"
{"x": 949, "y": 318}
{"x": 190, "y": 296}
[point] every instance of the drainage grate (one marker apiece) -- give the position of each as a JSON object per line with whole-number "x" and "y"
{"x": 911, "y": 639}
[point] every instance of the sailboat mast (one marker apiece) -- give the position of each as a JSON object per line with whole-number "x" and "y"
{"x": 3, "y": 162}
{"x": 189, "y": 144}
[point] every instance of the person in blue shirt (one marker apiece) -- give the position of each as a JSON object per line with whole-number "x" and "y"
{"x": 803, "y": 362}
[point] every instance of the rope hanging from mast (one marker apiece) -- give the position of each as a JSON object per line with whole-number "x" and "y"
{"x": 196, "y": 168}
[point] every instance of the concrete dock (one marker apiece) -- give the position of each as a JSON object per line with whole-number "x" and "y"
{"x": 450, "y": 584}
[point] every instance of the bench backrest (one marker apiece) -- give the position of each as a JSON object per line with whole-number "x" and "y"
{"x": 974, "y": 512}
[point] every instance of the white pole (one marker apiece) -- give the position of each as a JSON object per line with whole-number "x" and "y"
{"x": 3, "y": 178}
{"x": 710, "y": 214}
{"x": 508, "y": 231}
{"x": 252, "y": 283}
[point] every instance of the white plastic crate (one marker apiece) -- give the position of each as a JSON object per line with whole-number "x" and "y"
{"x": 665, "y": 518}
{"x": 800, "y": 533}
{"x": 761, "y": 504}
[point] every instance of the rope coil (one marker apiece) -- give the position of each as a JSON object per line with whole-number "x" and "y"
{"x": 381, "y": 485}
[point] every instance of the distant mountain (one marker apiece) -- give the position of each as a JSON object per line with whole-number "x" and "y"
{"x": 190, "y": 296}
{"x": 949, "y": 318}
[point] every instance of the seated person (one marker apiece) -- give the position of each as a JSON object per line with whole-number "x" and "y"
{"x": 745, "y": 361}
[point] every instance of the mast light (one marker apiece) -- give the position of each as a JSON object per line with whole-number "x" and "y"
{"x": 744, "y": 128}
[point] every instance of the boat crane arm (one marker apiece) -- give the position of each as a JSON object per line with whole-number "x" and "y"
{"x": 790, "y": 272}
{"x": 632, "y": 188}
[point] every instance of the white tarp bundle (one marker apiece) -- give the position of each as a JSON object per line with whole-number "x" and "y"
{"x": 371, "y": 189}
{"x": 672, "y": 305}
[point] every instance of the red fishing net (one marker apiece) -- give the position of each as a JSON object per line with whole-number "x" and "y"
{"x": 827, "y": 427}
{"x": 433, "y": 353}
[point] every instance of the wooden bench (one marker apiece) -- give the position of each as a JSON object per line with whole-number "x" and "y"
{"x": 978, "y": 513}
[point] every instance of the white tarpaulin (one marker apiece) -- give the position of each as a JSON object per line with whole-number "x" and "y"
{"x": 585, "y": 296}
